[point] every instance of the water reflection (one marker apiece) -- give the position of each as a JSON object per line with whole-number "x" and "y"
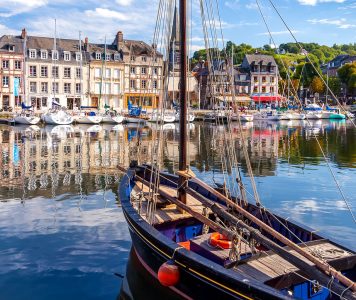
{"x": 62, "y": 231}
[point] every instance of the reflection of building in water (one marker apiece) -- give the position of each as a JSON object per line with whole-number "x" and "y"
{"x": 40, "y": 153}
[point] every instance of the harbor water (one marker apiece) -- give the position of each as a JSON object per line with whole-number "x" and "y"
{"x": 62, "y": 231}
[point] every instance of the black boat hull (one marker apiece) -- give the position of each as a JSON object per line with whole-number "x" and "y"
{"x": 200, "y": 278}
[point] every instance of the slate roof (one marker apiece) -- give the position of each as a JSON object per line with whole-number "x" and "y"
{"x": 110, "y": 49}
{"x": 265, "y": 60}
{"x": 15, "y": 41}
{"x": 138, "y": 48}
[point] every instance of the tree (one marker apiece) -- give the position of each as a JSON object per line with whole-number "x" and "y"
{"x": 347, "y": 75}
{"x": 317, "y": 85}
{"x": 334, "y": 84}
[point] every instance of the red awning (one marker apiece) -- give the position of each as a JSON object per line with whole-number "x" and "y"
{"x": 267, "y": 98}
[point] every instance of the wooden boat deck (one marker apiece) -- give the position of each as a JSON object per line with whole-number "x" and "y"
{"x": 168, "y": 213}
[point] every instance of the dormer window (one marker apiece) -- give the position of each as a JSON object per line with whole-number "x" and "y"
{"x": 133, "y": 58}
{"x": 98, "y": 56}
{"x": 107, "y": 57}
{"x": 66, "y": 55}
{"x": 78, "y": 56}
{"x": 144, "y": 58}
{"x": 32, "y": 53}
{"x": 117, "y": 56}
{"x": 54, "y": 54}
{"x": 44, "y": 54}
{"x": 11, "y": 48}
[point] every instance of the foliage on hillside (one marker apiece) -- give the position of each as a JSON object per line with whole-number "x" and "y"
{"x": 298, "y": 65}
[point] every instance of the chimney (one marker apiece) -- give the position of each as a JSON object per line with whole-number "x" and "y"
{"x": 86, "y": 44}
{"x": 119, "y": 40}
{"x": 23, "y": 33}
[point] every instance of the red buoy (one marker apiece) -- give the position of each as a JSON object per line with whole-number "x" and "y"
{"x": 168, "y": 273}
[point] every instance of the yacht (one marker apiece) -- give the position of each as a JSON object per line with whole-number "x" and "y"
{"x": 166, "y": 118}
{"x": 112, "y": 117}
{"x": 26, "y": 117}
{"x": 57, "y": 116}
{"x": 191, "y": 117}
{"x": 87, "y": 118}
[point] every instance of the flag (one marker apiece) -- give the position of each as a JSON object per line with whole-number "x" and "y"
{"x": 16, "y": 86}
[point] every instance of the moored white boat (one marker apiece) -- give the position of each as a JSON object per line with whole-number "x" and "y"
{"x": 191, "y": 117}
{"x": 243, "y": 117}
{"x": 167, "y": 117}
{"x": 26, "y": 119}
{"x": 266, "y": 116}
{"x": 112, "y": 119}
{"x": 57, "y": 117}
{"x": 84, "y": 118}
{"x": 296, "y": 116}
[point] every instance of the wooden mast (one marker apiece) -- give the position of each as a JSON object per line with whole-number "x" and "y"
{"x": 183, "y": 100}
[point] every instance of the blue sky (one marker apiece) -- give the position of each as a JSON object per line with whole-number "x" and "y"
{"x": 321, "y": 21}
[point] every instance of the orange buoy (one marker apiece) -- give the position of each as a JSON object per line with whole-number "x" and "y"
{"x": 168, "y": 274}
{"x": 219, "y": 240}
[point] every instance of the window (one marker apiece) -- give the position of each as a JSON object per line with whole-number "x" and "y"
{"x": 66, "y": 73}
{"x": 107, "y": 88}
{"x": 271, "y": 89}
{"x": 272, "y": 79}
{"x": 117, "y": 56}
{"x": 66, "y": 55}
{"x": 116, "y": 88}
{"x": 133, "y": 58}
{"x": 44, "y": 71}
{"x": 33, "y": 87}
{"x": 19, "y": 80}
{"x": 143, "y": 70}
{"x": 255, "y": 79}
{"x": 97, "y": 88}
{"x": 155, "y": 84}
{"x": 143, "y": 84}
{"x": 144, "y": 58}
{"x": 108, "y": 57}
{"x": 5, "y": 64}
{"x": 116, "y": 73}
{"x": 107, "y": 73}
{"x": 264, "y": 79}
{"x": 44, "y": 87}
{"x": 18, "y": 64}
{"x": 44, "y": 101}
{"x": 78, "y": 88}
{"x": 132, "y": 84}
{"x": 97, "y": 73}
{"x": 32, "y": 53}
{"x": 11, "y": 48}
{"x": 255, "y": 89}
{"x": 5, "y": 81}
{"x": 33, "y": 71}
{"x": 155, "y": 71}
{"x": 67, "y": 88}
{"x": 78, "y": 73}
{"x": 133, "y": 70}
{"x": 263, "y": 89}
{"x": 98, "y": 56}
{"x": 55, "y": 87}
{"x": 55, "y": 72}
{"x": 44, "y": 54}
{"x": 54, "y": 54}
{"x": 78, "y": 56}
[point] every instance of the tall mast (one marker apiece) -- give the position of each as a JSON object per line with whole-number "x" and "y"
{"x": 81, "y": 69}
{"x": 183, "y": 100}
{"x": 24, "y": 70}
{"x": 56, "y": 56}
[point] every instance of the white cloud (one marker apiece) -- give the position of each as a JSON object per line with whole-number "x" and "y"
{"x": 124, "y": 2}
{"x": 107, "y": 13}
{"x": 233, "y": 4}
{"x": 279, "y": 32}
{"x": 315, "y": 2}
{"x": 15, "y": 7}
{"x": 339, "y": 23}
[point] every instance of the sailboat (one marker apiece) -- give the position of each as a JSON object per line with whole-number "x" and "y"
{"x": 26, "y": 116}
{"x": 57, "y": 115}
{"x": 204, "y": 243}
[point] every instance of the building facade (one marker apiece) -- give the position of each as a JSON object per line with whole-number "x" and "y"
{"x": 106, "y": 75}
{"x": 11, "y": 72}
{"x": 56, "y": 71}
{"x": 143, "y": 72}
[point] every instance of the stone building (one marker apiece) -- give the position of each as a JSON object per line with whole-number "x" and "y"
{"x": 106, "y": 75}
{"x": 143, "y": 72}
{"x": 56, "y": 71}
{"x": 11, "y": 72}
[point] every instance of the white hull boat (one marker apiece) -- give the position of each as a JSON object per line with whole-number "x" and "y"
{"x": 296, "y": 116}
{"x": 313, "y": 115}
{"x": 83, "y": 119}
{"x": 167, "y": 118}
{"x": 266, "y": 116}
{"x": 118, "y": 119}
{"x": 136, "y": 120}
{"x": 58, "y": 117}
{"x": 26, "y": 120}
{"x": 191, "y": 118}
{"x": 243, "y": 117}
